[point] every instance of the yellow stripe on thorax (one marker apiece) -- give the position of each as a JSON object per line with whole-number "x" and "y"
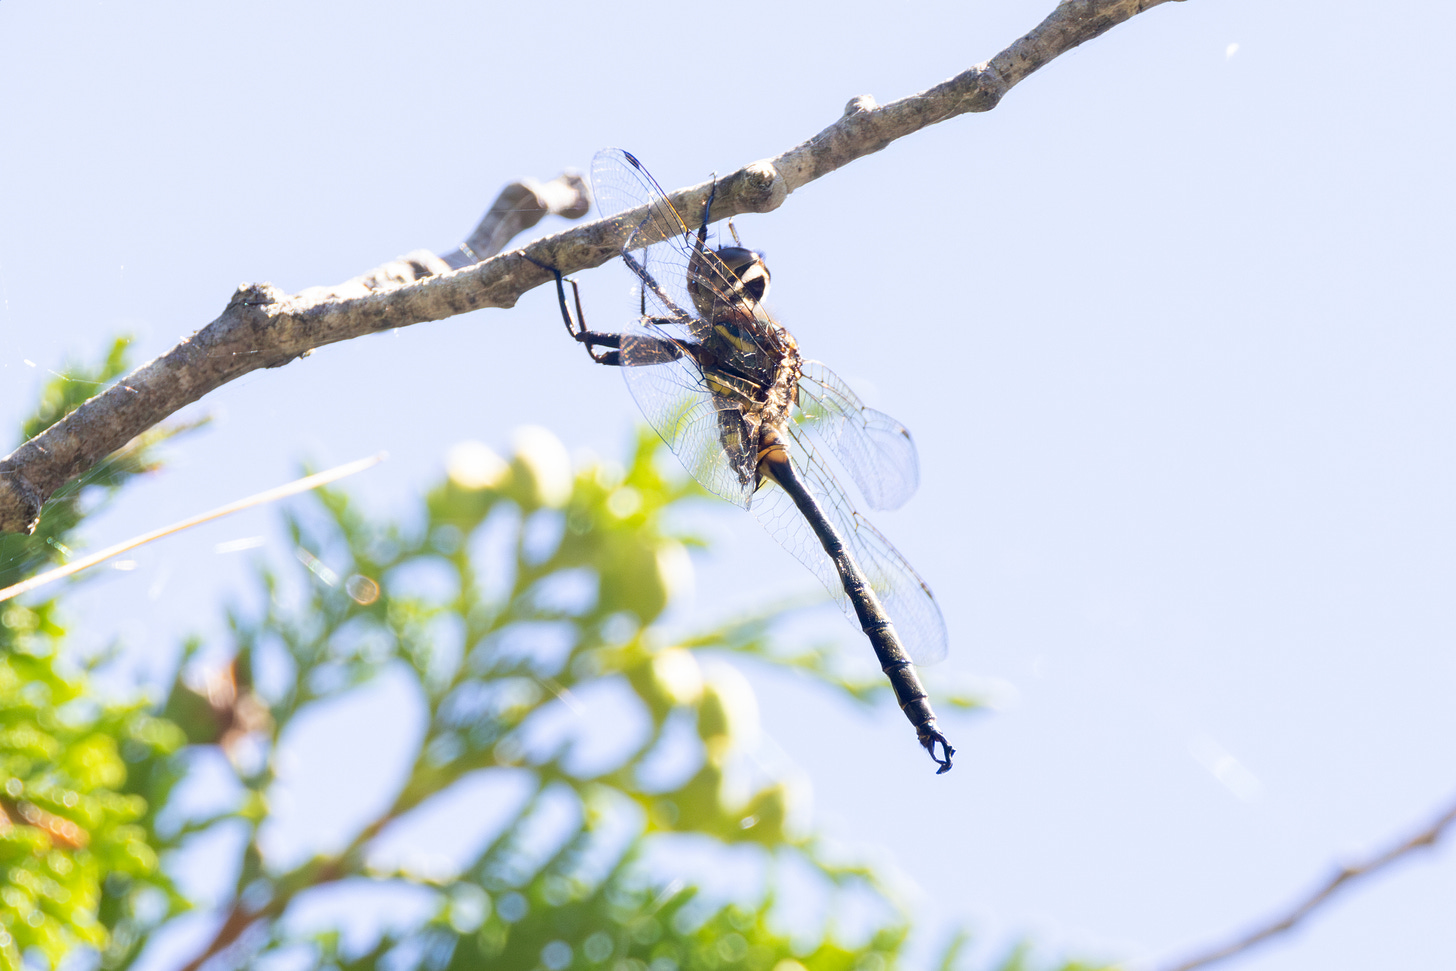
{"x": 734, "y": 336}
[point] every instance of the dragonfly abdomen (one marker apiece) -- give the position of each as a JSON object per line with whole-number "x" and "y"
{"x": 774, "y": 463}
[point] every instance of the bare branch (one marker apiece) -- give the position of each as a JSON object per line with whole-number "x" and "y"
{"x": 262, "y": 327}
{"x": 1424, "y": 839}
{"x": 315, "y": 873}
{"x": 238, "y": 920}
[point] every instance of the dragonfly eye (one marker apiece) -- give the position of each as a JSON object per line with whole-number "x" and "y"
{"x": 755, "y": 281}
{"x": 739, "y": 257}
{"x": 749, "y": 267}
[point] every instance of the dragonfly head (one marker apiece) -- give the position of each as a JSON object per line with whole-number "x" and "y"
{"x": 748, "y": 266}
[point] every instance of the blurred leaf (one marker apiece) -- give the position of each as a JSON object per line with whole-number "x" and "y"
{"x": 68, "y": 824}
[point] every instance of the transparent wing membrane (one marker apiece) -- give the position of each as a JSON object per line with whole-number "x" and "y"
{"x": 673, "y": 263}
{"x": 876, "y": 450}
{"x": 901, "y": 591}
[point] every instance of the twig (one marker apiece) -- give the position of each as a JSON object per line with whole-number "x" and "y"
{"x": 316, "y": 873}
{"x": 238, "y": 920}
{"x": 263, "y": 327}
{"x": 520, "y": 206}
{"x": 272, "y": 495}
{"x": 1424, "y": 839}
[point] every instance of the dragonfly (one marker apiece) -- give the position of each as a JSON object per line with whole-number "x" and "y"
{"x": 753, "y": 421}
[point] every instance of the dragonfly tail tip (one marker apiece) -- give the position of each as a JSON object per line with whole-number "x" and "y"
{"x": 932, "y": 738}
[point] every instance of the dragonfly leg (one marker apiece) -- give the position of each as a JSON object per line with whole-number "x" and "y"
{"x": 707, "y": 213}
{"x": 577, "y": 328}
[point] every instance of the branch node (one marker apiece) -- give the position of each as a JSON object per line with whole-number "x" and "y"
{"x": 255, "y": 295}
{"x": 759, "y": 187}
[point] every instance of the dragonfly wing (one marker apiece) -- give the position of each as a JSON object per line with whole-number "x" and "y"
{"x": 876, "y": 450}
{"x": 623, "y": 187}
{"x": 905, "y": 596}
{"x": 668, "y": 246}
{"x": 682, "y": 275}
{"x": 706, "y": 432}
{"x": 901, "y": 591}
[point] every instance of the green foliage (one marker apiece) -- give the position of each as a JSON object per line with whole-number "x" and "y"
{"x": 628, "y": 931}
{"x": 79, "y": 775}
{"x": 69, "y": 826}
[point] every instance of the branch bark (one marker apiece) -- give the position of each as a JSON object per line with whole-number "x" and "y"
{"x": 1425, "y": 839}
{"x": 263, "y": 327}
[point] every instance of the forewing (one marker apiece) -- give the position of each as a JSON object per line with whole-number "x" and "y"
{"x": 664, "y": 241}
{"x": 901, "y": 591}
{"x": 876, "y": 450}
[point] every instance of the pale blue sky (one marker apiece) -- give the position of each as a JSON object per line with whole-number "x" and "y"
{"x": 1171, "y": 326}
